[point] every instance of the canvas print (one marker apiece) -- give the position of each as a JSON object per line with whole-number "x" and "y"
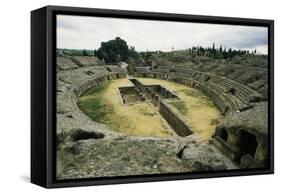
{"x": 146, "y": 97}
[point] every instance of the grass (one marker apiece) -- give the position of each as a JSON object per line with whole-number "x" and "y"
{"x": 91, "y": 104}
{"x": 96, "y": 90}
{"x": 191, "y": 93}
{"x": 208, "y": 103}
{"x": 145, "y": 111}
{"x": 198, "y": 109}
{"x": 94, "y": 108}
{"x": 102, "y": 104}
{"x": 203, "y": 99}
{"x": 180, "y": 106}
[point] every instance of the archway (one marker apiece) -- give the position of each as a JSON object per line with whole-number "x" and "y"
{"x": 222, "y": 133}
{"x": 248, "y": 143}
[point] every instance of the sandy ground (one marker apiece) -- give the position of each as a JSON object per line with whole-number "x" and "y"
{"x": 201, "y": 112}
{"x": 140, "y": 119}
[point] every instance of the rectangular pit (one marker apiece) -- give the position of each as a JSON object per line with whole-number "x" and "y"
{"x": 130, "y": 95}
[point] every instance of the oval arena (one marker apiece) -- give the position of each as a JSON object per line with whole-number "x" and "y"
{"x": 161, "y": 120}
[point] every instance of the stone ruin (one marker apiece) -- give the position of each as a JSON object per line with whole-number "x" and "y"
{"x": 139, "y": 92}
{"x": 130, "y": 95}
{"x": 243, "y": 133}
{"x": 86, "y": 148}
{"x": 155, "y": 94}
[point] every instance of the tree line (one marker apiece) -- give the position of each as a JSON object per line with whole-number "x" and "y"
{"x": 218, "y": 52}
{"x": 117, "y": 50}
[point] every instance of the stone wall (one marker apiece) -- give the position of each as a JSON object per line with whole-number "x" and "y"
{"x": 240, "y": 113}
{"x": 80, "y": 87}
{"x": 217, "y": 98}
{"x": 150, "y": 90}
{"x": 130, "y": 94}
{"x": 126, "y": 90}
{"x": 157, "y": 93}
{"x": 175, "y": 120}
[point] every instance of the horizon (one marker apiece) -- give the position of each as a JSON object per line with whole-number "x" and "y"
{"x": 87, "y": 32}
{"x": 160, "y": 50}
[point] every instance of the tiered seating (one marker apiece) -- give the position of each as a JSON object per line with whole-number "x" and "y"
{"x": 113, "y": 68}
{"x": 243, "y": 74}
{"x": 163, "y": 69}
{"x": 237, "y": 96}
{"x": 241, "y": 100}
{"x": 65, "y": 63}
{"x": 240, "y": 90}
{"x": 69, "y": 62}
{"x": 85, "y": 61}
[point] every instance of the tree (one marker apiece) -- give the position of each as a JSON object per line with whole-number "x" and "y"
{"x": 133, "y": 53}
{"x": 229, "y": 53}
{"x": 115, "y": 50}
{"x": 85, "y": 53}
{"x": 213, "y": 47}
{"x": 220, "y": 49}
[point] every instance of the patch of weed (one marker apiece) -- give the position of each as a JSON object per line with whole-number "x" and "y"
{"x": 180, "y": 106}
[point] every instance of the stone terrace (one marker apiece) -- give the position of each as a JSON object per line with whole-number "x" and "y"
{"x": 244, "y": 109}
{"x": 86, "y": 148}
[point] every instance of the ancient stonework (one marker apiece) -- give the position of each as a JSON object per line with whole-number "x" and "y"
{"x": 86, "y": 148}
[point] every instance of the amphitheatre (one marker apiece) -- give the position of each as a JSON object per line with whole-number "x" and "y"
{"x": 199, "y": 114}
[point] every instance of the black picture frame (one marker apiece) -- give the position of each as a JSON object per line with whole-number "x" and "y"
{"x": 43, "y": 98}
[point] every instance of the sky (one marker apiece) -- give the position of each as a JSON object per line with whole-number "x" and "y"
{"x": 84, "y": 32}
